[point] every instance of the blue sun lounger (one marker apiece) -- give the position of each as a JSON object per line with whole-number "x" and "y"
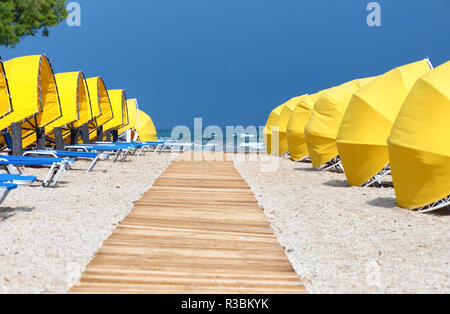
{"x": 95, "y": 157}
{"x": 57, "y": 166}
{"x": 17, "y": 179}
{"x": 120, "y": 150}
{"x": 5, "y": 188}
{"x": 160, "y": 146}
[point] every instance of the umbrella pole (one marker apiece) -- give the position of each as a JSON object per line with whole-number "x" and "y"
{"x": 16, "y": 137}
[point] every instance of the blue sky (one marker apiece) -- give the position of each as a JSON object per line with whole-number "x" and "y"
{"x": 232, "y": 61}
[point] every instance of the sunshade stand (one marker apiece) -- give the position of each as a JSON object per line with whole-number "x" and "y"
{"x": 323, "y": 125}
{"x": 419, "y": 149}
{"x": 271, "y": 125}
{"x": 298, "y": 150}
{"x": 146, "y": 131}
{"x": 134, "y": 119}
{"x": 101, "y": 108}
{"x": 282, "y": 122}
{"x": 367, "y": 123}
{"x": 76, "y": 109}
{"x": 120, "y": 111}
{"x": 34, "y": 94}
{"x": 5, "y": 100}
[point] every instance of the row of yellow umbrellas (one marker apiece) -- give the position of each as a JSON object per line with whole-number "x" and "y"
{"x": 398, "y": 119}
{"x": 30, "y": 93}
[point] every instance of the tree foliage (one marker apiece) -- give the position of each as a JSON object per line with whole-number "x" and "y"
{"x": 21, "y": 18}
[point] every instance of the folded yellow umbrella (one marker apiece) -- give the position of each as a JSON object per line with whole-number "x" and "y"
{"x": 5, "y": 98}
{"x": 296, "y": 126}
{"x": 367, "y": 123}
{"x": 419, "y": 146}
{"x": 133, "y": 114}
{"x": 101, "y": 108}
{"x": 270, "y": 125}
{"x": 146, "y": 130}
{"x": 323, "y": 125}
{"x": 75, "y": 104}
{"x": 119, "y": 109}
{"x": 282, "y": 123}
{"x": 34, "y": 95}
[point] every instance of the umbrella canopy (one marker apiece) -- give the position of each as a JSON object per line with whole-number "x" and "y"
{"x": 282, "y": 123}
{"x": 367, "y": 123}
{"x": 271, "y": 123}
{"x": 323, "y": 125}
{"x": 101, "y": 108}
{"x": 75, "y": 105}
{"x": 296, "y": 126}
{"x": 34, "y": 95}
{"x": 5, "y": 98}
{"x": 146, "y": 130}
{"x": 419, "y": 148}
{"x": 133, "y": 116}
{"x": 119, "y": 109}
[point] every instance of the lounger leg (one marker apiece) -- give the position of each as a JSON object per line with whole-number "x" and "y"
{"x": 94, "y": 162}
{"x": 49, "y": 176}
{"x": 116, "y": 156}
{"x": 4, "y": 196}
{"x": 57, "y": 175}
{"x": 125, "y": 155}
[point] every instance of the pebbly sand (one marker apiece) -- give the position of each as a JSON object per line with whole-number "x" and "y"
{"x": 339, "y": 239}
{"x": 350, "y": 240}
{"x": 48, "y": 236}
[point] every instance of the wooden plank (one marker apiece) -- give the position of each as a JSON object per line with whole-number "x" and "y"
{"x": 198, "y": 230}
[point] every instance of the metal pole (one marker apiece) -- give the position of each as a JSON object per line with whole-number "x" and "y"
{"x": 100, "y": 134}
{"x": 74, "y": 133}
{"x": 40, "y": 138}
{"x": 59, "y": 141}
{"x": 16, "y": 136}
{"x": 108, "y": 135}
{"x": 85, "y": 133}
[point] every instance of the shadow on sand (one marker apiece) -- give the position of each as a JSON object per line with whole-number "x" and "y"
{"x": 337, "y": 183}
{"x": 384, "y": 202}
{"x": 8, "y": 212}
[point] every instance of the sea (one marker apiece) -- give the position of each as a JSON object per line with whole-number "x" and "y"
{"x": 210, "y": 141}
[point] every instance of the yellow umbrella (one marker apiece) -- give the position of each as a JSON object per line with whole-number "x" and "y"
{"x": 5, "y": 98}
{"x": 101, "y": 109}
{"x": 296, "y": 126}
{"x": 133, "y": 115}
{"x": 271, "y": 123}
{"x": 367, "y": 123}
{"x": 419, "y": 147}
{"x": 323, "y": 125}
{"x": 74, "y": 100}
{"x": 146, "y": 130}
{"x": 282, "y": 123}
{"x": 34, "y": 95}
{"x": 119, "y": 109}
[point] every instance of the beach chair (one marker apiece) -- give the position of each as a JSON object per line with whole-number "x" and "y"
{"x": 160, "y": 146}
{"x": 5, "y": 188}
{"x": 121, "y": 152}
{"x": 12, "y": 165}
{"x": 17, "y": 179}
{"x": 333, "y": 165}
{"x": 95, "y": 157}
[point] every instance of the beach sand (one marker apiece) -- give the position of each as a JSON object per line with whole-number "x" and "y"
{"x": 350, "y": 240}
{"x": 48, "y": 236}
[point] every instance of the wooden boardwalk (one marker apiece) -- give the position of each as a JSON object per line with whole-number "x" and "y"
{"x": 198, "y": 230}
